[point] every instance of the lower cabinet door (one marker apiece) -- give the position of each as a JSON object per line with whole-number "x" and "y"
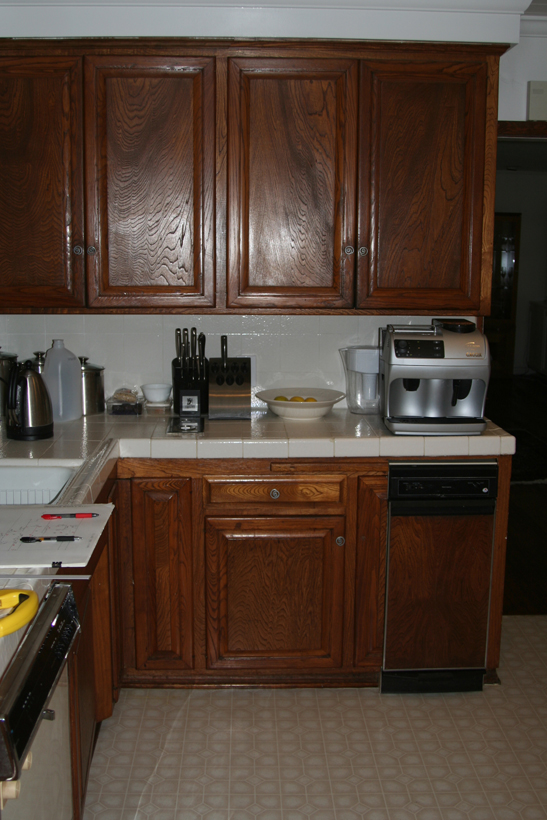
{"x": 162, "y": 566}
{"x": 438, "y": 591}
{"x": 274, "y": 594}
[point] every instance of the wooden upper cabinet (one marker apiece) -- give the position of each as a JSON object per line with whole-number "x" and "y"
{"x": 41, "y": 205}
{"x": 150, "y": 164}
{"x": 422, "y": 184}
{"x": 292, "y": 154}
{"x": 229, "y": 175}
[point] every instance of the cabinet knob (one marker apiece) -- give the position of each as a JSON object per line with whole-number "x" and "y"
{"x": 274, "y": 493}
{"x": 363, "y": 251}
{"x": 78, "y": 250}
{"x": 340, "y": 541}
{"x": 349, "y": 250}
{"x": 91, "y": 250}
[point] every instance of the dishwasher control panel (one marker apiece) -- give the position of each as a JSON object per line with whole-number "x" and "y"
{"x": 443, "y": 480}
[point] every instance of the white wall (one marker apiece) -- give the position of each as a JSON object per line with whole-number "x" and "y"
{"x": 522, "y": 63}
{"x": 526, "y": 193}
{"x": 291, "y": 351}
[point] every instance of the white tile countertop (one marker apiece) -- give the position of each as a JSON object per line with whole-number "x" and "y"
{"x": 338, "y": 434}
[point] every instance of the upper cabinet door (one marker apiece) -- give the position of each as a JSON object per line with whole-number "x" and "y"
{"x": 292, "y": 153}
{"x": 150, "y": 165}
{"x": 422, "y": 185}
{"x": 41, "y": 205}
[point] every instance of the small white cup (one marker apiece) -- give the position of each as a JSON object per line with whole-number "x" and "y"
{"x": 156, "y": 392}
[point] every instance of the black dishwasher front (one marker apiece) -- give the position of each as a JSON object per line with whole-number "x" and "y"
{"x": 439, "y": 569}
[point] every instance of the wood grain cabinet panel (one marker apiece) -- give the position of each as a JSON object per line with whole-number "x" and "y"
{"x": 150, "y": 158}
{"x": 370, "y": 571}
{"x": 162, "y": 566}
{"x": 292, "y": 130}
{"x": 422, "y": 178}
{"x": 258, "y": 490}
{"x": 438, "y": 591}
{"x": 274, "y": 597}
{"x": 41, "y": 182}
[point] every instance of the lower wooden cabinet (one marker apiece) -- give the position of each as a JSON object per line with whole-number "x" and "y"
{"x": 90, "y": 663}
{"x": 258, "y": 572}
{"x": 245, "y": 573}
{"x": 81, "y": 669}
{"x": 275, "y": 592}
{"x": 162, "y": 528}
{"x": 370, "y": 571}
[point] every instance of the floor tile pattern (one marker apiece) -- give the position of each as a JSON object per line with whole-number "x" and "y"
{"x": 332, "y": 754}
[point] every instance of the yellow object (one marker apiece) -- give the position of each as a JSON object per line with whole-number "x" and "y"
{"x": 281, "y": 398}
{"x": 311, "y": 398}
{"x": 297, "y": 398}
{"x": 25, "y": 606}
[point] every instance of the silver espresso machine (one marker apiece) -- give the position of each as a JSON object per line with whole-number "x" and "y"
{"x": 433, "y": 378}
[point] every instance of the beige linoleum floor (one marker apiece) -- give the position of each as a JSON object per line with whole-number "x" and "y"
{"x": 332, "y": 754}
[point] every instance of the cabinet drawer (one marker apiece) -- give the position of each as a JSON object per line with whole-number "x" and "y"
{"x": 305, "y": 490}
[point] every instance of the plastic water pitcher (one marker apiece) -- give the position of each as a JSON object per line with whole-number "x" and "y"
{"x": 63, "y": 377}
{"x": 361, "y": 366}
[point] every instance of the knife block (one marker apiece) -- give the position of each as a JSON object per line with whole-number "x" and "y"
{"x": 185, "y": 379}
{"x": 230, "y": 388}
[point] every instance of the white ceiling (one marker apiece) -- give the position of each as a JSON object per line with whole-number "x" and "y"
{"x": 489, "y": 6}
{"x": 490, "y": 21}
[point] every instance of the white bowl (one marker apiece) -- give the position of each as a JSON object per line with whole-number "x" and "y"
{"x": 156, "y": 392}
{"x": 303, "y": 410}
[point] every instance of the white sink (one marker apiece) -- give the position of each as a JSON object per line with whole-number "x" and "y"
{"x": 32, "y": 484}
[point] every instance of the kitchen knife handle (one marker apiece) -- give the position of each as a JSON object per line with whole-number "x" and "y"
{"x": 185, "y": 348}
{"x": 224, "y": 351}
{"x": 201, "y": 353}
{"x": 178, "y": 344}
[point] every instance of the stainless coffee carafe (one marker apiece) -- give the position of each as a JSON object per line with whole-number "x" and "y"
{"x": 30, "y": 416}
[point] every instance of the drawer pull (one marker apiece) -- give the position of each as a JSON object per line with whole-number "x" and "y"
{"x": 274, "y": 493}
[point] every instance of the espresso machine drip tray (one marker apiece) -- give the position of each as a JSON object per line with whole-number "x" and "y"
{"x": 433, "y": 378}
{"x": 412, "y": 426}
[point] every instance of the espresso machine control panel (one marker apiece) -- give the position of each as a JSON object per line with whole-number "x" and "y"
{"x": 419, "y": 348}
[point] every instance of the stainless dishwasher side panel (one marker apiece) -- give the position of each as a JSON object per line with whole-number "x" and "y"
{"x": 46, "y": 787}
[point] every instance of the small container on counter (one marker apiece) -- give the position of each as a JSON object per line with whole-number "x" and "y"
{"x": 62, "y": 376}
{"x": 157, "y": 408}
{"x": 8, "y": 361}
{"x": 124, "y": 402}
{"x": 92, "y": 387}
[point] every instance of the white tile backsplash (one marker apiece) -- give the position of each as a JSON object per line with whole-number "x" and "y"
{"x": 291, "y": 351}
